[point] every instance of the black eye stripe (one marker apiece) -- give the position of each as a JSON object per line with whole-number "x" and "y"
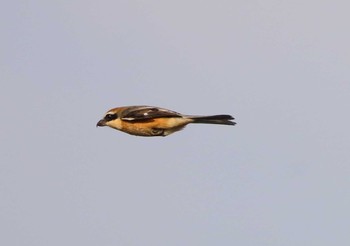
{"x": 109, "y": 117}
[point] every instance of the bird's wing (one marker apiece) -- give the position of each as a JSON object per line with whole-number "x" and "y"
{"x": 139, "y": 113}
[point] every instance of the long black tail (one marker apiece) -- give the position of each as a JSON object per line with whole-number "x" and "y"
{"x": 222, "y": 119}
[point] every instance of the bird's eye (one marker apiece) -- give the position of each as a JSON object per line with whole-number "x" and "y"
{"x": 110, "y": 116}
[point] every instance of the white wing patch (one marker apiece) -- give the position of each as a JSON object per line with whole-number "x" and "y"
{"x": 129, "y": 118}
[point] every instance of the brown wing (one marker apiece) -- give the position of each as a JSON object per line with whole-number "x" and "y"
{"x": 139, "y": 113}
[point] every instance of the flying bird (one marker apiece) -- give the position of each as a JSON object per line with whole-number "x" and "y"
{"x": 149, "y": 121}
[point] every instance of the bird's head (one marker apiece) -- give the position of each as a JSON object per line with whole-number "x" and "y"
{"x": 110, "y": 117}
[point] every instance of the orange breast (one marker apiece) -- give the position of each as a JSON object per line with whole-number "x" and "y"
{"x": 147, "y": 128}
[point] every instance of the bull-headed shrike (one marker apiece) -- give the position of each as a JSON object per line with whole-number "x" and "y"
{"x": 149, "y": 121}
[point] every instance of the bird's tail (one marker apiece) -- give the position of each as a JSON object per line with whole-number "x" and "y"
{"x": 222, "y": 119}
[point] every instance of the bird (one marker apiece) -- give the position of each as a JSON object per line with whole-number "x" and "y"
{"x": 150, "y": 121}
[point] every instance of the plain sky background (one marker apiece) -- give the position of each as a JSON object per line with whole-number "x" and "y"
{"x": 281, "y": 176}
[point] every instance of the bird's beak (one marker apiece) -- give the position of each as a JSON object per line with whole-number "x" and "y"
{"x": 101, "y": 123}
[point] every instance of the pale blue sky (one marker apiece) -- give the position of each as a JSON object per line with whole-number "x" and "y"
{"x": 281, "y": 176}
